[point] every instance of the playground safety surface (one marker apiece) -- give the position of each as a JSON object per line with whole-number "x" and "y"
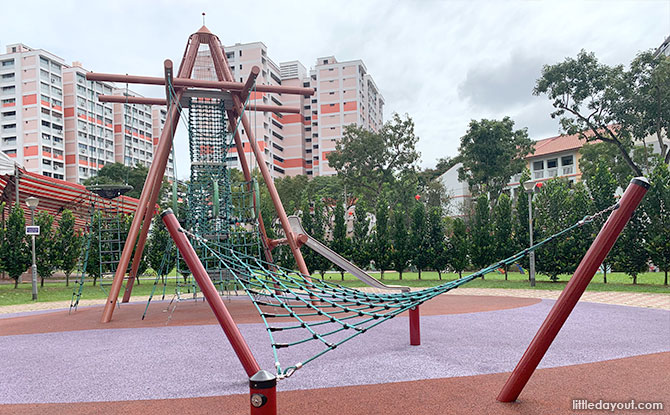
{"x": 57, "y": 363}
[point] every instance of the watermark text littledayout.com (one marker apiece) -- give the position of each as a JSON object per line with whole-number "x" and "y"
{"x": 600, "y": 405}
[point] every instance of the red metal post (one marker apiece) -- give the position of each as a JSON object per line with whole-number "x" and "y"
{"x": 149, "y": 212}
{"x": 154, "y": 178}
{"x": 414, "y": 326}
{"x": 211, "y": 294}
{"x": 220, "y": 59}
{"x": 281, "y": 109}
{"x": 263, "y": 393}
{"x": 574, "y": 289}
{"x": 196, "y": 83}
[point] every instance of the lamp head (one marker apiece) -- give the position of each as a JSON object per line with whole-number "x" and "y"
{"x": 32, "y": 202}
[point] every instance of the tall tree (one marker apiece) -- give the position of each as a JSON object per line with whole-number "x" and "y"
{"x": 483, "y": 250}
{"x": 459, "y": 256}
{"x": 420, "y": 253}
{"x": 16, "y": 254}
{"x": 401, "y": 250}
{"x": 657, "y": 206}
{"x": 360, "y": 242}
{"x": 340, "y": 242}
{"x": 557, "y": 206}
{"x": 46, "y": 249}
{"x": 366, "y": 160}
{"x": 602, "y": 186}
{"x": 521, "y": 225}
{"x": 492, "y": 152}
{"x": 630, "y": 254}
{"x": 70, "y": 242}
{"x": 438, "y": 245}
{"x": 381, "y": 250}
{"x": 502, "y": 229}
{"x": 158, "y": 245}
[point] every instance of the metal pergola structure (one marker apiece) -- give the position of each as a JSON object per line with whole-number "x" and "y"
{"x": 179, "y": 89}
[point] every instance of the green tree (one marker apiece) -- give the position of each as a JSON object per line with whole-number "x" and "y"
{"x": 69, "y": 242}
{"x": 46, "y": 248}
{"x": 360, "y": 242}
{"x": 367, "y": 160}
{"x": 503, "y": 238}
{"x": 459, "y": 255}
{"x": 94, "y": 267}
{"x": 420, "y": 253}
{"x": 321, "y": 264}
{"x": 602, "y": 185}
{"x": 158, "y": 245}
{"x": 16, "y": 253}
{"x": 609, "y": 103}
{"x": 340, "y": 241}
{"x": 381, "y": 251}
{"x": 657, "y": 205}
{"x": 557, "y": 206}
{"x": 492, "y": 152}
{"x": 482, "y": 251}
{"x": 630, "y": 253}
{"x": 521, "y": 225}
{"x": 438, "y": 245}
{"x": 401, "y": 251}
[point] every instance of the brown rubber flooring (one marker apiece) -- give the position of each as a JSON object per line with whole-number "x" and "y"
{"x": 549, "y": 392}
{"x": 198, "y": 312}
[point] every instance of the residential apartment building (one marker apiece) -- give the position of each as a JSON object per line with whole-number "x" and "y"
{"x": 296, "y": 144}
{"x": 31, "y": 109}
{"x": 553, "y": 157}
{"x": 89, "y": 141}
{"x": 53, "y": 124}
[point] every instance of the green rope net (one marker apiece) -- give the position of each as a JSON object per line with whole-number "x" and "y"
{"x": 306, "y": 312}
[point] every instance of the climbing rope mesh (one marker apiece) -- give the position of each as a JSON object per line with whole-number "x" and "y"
{"x": 317, "y": 316}
{"x": 314, "y": 316}
{"x": 218, "y": 210}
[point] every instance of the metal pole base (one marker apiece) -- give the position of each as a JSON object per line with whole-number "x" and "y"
{"x": 414, "y": 326}
{"x": 263, "y": 393}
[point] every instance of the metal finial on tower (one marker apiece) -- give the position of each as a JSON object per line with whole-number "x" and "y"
{"x": 203, "y": 18}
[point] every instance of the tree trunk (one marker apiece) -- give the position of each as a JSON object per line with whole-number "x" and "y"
{"x": 16, "y": 283}
{"x": 634, "y": 279}
{"x": 439, "y": 274}
{"x": 382, "y": 274}
{"x": 460, "y": 274}
{"x": 342, "y": 275}
{"x": 400, "y": 275}
{"x": 67, "y": 279}
{"x": 95, "y": 279}
{"x": 605, "y": 274}
{"x": 666, "y": 277}
{"x": 505, "y": 268}
{"x": 41, "y": 282}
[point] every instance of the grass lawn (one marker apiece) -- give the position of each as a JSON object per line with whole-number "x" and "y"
{"x": 647, "y": 282}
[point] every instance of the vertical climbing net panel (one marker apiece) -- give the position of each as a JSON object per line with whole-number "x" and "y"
{"x": 218, "y": 209}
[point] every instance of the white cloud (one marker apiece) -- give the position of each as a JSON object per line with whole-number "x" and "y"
{"x": 443, "y": 62}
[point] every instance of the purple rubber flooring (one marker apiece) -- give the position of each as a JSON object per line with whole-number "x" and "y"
{"x": 192, "y": 361}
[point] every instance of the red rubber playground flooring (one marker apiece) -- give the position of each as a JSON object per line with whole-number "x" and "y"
{"x": 630, "y": 359}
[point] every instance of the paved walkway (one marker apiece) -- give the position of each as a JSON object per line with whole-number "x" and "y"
{"x": 633, "y": 299}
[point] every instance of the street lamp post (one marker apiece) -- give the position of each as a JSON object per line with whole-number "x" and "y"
{"x": 530, "y": 188}
{"x": 32, "y": 203}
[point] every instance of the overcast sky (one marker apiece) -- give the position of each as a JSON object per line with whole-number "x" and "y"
{"x": 442, "y": 62}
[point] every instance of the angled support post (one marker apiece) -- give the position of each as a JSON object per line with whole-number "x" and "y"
{"x": 149, "y": 212}
{"x": 155, "y": 175}
{"x": 559, "y": 313}
{"x": 222, "y": 63}
{"x": 215, "y": 302}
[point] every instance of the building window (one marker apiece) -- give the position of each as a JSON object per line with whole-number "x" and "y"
{"x": 567, "y": 160}
{"x": 538, "y": 165}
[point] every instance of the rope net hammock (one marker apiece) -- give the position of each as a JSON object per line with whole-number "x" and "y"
{"x": 318, "y": 315}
